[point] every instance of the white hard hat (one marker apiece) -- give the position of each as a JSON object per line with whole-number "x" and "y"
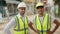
{"x": 22, "y": 4}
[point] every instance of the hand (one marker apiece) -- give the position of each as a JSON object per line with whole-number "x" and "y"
{"x": 49, "y": 32}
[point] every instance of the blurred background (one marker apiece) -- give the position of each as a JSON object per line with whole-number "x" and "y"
{"x": 8, "y": 10}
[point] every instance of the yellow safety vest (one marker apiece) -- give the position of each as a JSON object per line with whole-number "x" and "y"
{"x": 21, "y": 26}
{"x": 43, "y": 27}
{"x": 56, "y": 11}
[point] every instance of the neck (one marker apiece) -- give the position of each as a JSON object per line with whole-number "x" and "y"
{"x": 22, "y": 14}
{"x": 41, "y": 15}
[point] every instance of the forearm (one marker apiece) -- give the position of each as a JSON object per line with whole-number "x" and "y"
{"x": 33, "y": 28}
{"x": 30, "y": 25}
{"x": 56, "y": 27}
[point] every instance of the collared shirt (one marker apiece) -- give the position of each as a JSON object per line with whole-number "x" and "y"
{"x": 11, "y": 24}
{"x": 41, "y": 18}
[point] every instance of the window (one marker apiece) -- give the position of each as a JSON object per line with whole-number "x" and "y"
{"x": 2, "y": 3}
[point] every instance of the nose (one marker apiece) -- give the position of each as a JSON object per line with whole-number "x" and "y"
{"x": 40, "y": 8}
{"x": 23, "y": 10}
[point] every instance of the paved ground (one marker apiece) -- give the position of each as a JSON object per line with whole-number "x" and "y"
{"x": 5, "y": 21}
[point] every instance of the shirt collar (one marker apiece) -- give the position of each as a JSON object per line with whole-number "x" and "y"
{"x": 20, "y": 15}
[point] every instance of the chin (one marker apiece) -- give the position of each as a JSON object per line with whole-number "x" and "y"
{"x": 23, "y": 13}
{"x": 40, "y": 12}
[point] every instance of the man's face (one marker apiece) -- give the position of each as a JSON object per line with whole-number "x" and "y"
{"x": 40, "y": 9}
{"x": 22, "y": 10}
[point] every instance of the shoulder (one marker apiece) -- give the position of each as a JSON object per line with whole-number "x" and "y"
{"x": 52, "y": 17}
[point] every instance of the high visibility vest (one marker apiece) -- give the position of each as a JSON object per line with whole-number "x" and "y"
{"x": 56, "y": 10}
{"x": 43, "y": 27}
{"x": 21, "y": 26}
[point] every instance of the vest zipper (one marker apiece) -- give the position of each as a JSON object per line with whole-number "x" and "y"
{"x": 41, "y": 24}
{"x": 24, "y": 26}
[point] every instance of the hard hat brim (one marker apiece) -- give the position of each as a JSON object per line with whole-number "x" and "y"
{"x": 39, "y": 6}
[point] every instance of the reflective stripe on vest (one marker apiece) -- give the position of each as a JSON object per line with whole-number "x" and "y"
{"x": 43, "y": 27}
{"x": 21, "y": 26}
